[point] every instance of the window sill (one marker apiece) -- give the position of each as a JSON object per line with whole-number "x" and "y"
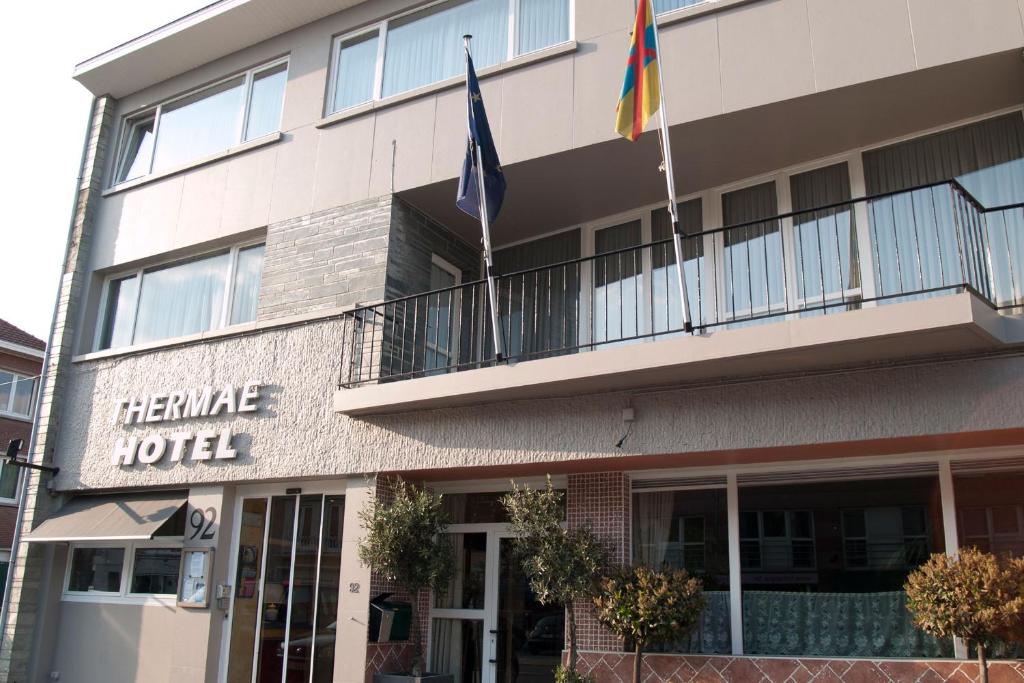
{"x": 545, "y": 54}
{"x": 707, "y": 7}
{"x": 202, "y": 161}
{"x": 15, "y": 416}
{"x": 117, "y": 599}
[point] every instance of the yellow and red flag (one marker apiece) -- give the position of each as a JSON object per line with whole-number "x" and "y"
{"x": 641, "y": 95}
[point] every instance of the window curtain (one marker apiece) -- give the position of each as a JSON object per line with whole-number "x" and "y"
{"x": 661, "y": 6}
{"x": 653, "y": 527}
{"x": 426, "y": 47}
{"x": 202, "y": 124}
{"x": 834, "y": 625}
{"x": 539, "y": 309}
{"x": 266, "y": 101}
{"x": 712, "y": 636}
{"x": 355, "y": 71}
{"x": 752, "y": 255}
{"x": 182, "y": 299}
{"x": 915, "y": 234}
{"x": 541, "y": 23}
{"x": 827, "y": 263}
{"x": 246, "y": 294}
{"x": 666, "y": 311}
{"x": 618, "y": 283}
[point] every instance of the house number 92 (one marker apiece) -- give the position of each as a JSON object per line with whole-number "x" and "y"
{"x": 353, "y": 588}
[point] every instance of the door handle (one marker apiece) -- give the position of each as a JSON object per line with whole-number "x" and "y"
{"x": 492, "y": 661}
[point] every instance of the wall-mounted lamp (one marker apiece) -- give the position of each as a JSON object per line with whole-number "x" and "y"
{"x": 14, "y": 447}
{"x": 627, "y": 418}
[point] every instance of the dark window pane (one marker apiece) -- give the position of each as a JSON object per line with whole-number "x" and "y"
{"x": 774, "y": 524}
{"x": 156, "y": 570}
{"x": 96, "y": 569}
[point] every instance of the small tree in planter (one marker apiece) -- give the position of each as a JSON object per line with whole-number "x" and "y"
{"x": 561, "y": 564}
{"x": 1011, "y": 629}
{"x": 405, "y": 543}
{"x": 645, "y": 607}
{"x": 966, "y": 597}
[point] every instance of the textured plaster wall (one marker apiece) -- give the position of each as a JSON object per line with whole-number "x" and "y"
{"x": 296, "y": 434}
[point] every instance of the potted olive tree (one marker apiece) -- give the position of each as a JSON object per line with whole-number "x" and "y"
{"x": 975, "y": 597}
{"x": 561, "y": 564}
{"x": 404, "y": 542}
{"x": 644, "y": 607}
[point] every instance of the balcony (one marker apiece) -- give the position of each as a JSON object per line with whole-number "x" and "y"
{"x": 920, "y": 272}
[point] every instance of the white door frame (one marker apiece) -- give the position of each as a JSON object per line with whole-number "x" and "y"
{"x": 268, "y": 491}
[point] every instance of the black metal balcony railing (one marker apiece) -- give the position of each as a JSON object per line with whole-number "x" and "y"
{"x": 920, "y": 242}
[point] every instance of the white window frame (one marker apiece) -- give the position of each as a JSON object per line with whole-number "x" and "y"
{"x": 381, "y": 29}
{"x": 785, "y": 540}
{"x": 224, "y": 319}
{"x": 456, "y": 307}
{"x": 156, "y": 111}
{"x": 991, "y": 536}
{"x": 8, "y": 410}
{"x": 123, "y": 595}
{"x": 868, "y": 567}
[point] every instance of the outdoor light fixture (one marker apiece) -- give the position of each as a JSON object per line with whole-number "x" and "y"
{"x": 14, "y": 447}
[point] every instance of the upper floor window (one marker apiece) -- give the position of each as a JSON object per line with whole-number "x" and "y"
{"x": 425, "y": 46}
{"x": 207, "y": 121}
{"x": 662, "y": 6}
{"x": 177, "y": 299}
{"x": 16, "y": 393}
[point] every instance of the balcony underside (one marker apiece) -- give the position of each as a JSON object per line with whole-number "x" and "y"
{"x": 951, "y": 324}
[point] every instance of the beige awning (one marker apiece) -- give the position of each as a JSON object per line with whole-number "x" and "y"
{"x": 130, "y": 517}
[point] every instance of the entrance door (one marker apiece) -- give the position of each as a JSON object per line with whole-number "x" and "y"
{"x": 488, "y": 626}
{"x": 285, "y": 594}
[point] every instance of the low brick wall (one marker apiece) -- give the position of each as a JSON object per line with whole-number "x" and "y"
{"x": 617, "y": 667}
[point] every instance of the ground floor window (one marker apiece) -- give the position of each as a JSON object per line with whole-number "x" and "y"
{"x": 821, "y": 565}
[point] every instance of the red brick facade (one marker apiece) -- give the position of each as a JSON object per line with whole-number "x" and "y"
{"x": 614, "y": 667}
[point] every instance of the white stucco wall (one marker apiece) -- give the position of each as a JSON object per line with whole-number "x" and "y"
{"x": 296, "y": 434}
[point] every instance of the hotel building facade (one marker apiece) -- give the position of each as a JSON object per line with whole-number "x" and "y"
{"x": 270, "y": 304}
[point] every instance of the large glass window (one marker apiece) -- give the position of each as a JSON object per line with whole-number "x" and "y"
{"x": 916, "y": 235}
{"x": 16, "y": 392}
{"x": 182, "y": 298}
{"x": 202, "y": 123}
{"x": 662, "y": 6}
{"x": 425, "y": 46}
{"x": 9, "y": 475}
{"x": 689, "y": 530}
{"x": 752, "y": 270}
{"x": 823, "y": 566}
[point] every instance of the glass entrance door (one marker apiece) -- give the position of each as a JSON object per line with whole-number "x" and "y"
{"x": 488, "y": 627}
{"x": 286, "y": 589}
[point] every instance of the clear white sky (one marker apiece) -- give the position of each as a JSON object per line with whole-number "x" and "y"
{"x": 43, "y": 116}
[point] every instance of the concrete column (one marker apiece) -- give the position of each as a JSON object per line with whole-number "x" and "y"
{"x": 19, "y": 655}
{"x": 354, "y": 587}
{"x": 732, "y": 506}
{"x": 949, "y": 530}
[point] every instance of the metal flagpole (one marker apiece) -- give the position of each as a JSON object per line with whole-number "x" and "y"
{"x": 673, "y": 208}
{"x": 492, "y": 288}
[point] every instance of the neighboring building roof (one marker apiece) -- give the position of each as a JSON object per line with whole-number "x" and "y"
{"x": 195, "y": 39}
{"x": 15, "y": 335}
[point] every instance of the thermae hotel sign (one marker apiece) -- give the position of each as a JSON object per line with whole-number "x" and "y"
{"x": 191, "y": 404}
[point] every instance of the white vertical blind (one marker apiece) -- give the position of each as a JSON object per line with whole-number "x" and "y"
{"x": 120, "y": 309}
{"x": 247, "y": 284}
{"x": 202, "y": 124}
{"x": 426, "y": 47}
{"x": 541, "y": 23}
{"x": 661, "y": 6}
{"x": 182, "y": 299}
{"x": 265, "y": 101}
{"x": 354, "y": 71}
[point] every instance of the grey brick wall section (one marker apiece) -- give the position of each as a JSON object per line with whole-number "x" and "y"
{"x": 25, "y": 613}
{"x": 414, "y": 237}
{"x": 329, "y": 259}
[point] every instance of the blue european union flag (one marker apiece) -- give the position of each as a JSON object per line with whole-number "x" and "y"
{"x": 479, "y": 136}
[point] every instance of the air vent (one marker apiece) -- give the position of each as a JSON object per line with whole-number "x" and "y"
{"x": 877, "y": 472}
{"x": 980, "y": 465}
{"x": 679, "y": 483}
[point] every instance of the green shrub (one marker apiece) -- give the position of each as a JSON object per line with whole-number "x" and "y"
{"x": 561, "y": 564}
{"x": 405, "y": 543}
{"x": 566, "y": 675}
{"x": 975, "y": 597}
{"x": 645, "y": 607}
